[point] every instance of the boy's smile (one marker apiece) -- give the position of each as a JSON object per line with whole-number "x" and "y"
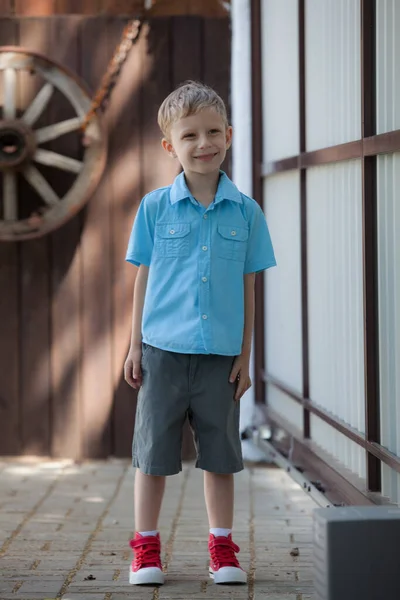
{"x": 207, "y": 157}
{"x": 199, "y": 141}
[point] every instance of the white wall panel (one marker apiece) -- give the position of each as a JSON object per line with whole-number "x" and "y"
{"x": 280, "y": 78}
{"x": 348, "y": 453}
{"x": 387, "y": 65}
{"x": 388, "y": 201}
{"x": 335, "y": 294}
{"x": 289, "y": 409}
{"x": 333, "y": 80}
{"x": 283, "y": 283}
{"x": 390, "y": 484}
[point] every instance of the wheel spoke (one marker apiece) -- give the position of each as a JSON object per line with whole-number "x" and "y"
{"x": 10, "y": 201}
{"x": 40, "y": 184}
{"x": 53, "y": 132}
{"x": 38, "y": 104}
{"x": 10, "y": 93}
{"x": 52, "y": 159}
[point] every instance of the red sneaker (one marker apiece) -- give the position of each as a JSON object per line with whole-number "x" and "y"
{"x": 224, "y": 566}
{"x": 146, "y": 567}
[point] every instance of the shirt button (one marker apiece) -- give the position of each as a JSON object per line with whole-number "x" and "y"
{"x": 204, "y": 279}
{"x": 233, "y": 232}
{"x": 205, "y": 217}
{"x": 205, "y": 317}
{"x": 204, "y": 248}
{"x": 172, "y": 231}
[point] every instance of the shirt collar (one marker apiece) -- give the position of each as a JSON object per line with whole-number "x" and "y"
{"x": 226, "y": 190}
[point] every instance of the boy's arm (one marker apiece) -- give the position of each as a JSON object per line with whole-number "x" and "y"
{"x": 249, "y": 310}
{"x": 241, "y": 365}
{"x": 132, "y": 369}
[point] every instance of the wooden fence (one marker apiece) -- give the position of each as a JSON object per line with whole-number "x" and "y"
{"x": 35, "y": 8}
{"x": 65, "y": 299}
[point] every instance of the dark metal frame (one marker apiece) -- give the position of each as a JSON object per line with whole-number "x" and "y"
{"x": 257, "y": 147}
{"x": 366, "y": 149}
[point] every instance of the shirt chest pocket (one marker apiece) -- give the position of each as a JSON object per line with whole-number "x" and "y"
{"x": 172, "y": 239}
{"x": 232, "y": 242}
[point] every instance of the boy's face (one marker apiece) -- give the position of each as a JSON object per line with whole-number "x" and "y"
{"x": 199, "y": 141}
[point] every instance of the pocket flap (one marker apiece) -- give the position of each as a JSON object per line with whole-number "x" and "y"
{"x": 238, "y": 234}
{"x": 172, "y": 230}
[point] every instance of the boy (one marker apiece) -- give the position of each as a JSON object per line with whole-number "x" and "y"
{"x": 198, "y": 245}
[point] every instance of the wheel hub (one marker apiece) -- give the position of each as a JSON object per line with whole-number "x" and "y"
{"x": 17, "y": 144}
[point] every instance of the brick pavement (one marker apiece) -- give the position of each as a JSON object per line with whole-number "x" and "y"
{"x": 64, "y": 530}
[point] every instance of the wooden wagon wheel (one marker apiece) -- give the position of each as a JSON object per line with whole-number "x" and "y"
{"x": 21, "y": 154}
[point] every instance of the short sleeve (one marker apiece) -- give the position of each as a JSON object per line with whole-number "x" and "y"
{"x": 141, "y": 241}
{"x": 260, "y": 253}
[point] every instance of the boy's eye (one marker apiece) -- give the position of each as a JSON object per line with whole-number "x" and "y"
{"x": 188, "y": 136}
{"x": 214, "y": 131}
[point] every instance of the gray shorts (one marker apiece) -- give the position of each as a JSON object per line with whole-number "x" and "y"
{"x": 178, "y": 385}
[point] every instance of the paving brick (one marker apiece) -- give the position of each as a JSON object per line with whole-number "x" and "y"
{"x": 66, "y": 528}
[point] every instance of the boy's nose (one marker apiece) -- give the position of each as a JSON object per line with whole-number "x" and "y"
{"x": 203, "y": 142}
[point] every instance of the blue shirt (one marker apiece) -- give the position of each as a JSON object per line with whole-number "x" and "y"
{"x": 194, "y": 300}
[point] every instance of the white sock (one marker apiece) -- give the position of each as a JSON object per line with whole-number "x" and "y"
{"x": 148, "y": 533}
{"x": 220, "y": 531}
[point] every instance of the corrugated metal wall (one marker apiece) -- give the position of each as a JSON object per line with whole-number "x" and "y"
{"x": 387, "y": 65}
{"x": 282, "y": 285}
{"x": 335, "y": 302}
{"x": 333, "y": 107}
{"x": 389, "y": 311}
{"x": 388, "y": 208}
{"x": 334, "y": 224}
{"x": 280, "y": 78}
{"x": 334, "y": 219}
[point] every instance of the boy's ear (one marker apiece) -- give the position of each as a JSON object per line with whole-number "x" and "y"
{"x": 228, "y": 137}
{"x": 168, "y": 147}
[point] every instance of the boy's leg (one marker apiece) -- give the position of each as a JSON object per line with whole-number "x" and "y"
{"x": 214, "y": 416}
{"x": 160, "y": 414}
{"x": 148, "y": 494}
{"x": 219, "y": 497}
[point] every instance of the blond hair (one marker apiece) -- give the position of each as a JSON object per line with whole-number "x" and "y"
{"x": 188, "y": 99}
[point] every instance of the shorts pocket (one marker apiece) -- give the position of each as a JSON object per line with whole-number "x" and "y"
{"x": 145, "y": 350}
{"x": 232, "y": 242}
{"x": 172, "y": 240}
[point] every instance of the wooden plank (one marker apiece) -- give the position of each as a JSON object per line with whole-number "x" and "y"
{"x": 34, "y": 8}
{"x": 203, "y": 8}
{"x": 127, "y": 8}
{"x": 97, "y": 385}
{"x": 9, "y": 31}
{"x": 217, "y": 43}
{"x": 66, "y": 439}
{"x": 124, "y": 118}
{"x": 35, "y": 291}
{"x": 77, "y": 7}
{"x": 6, "y": 8}
{"x": 10, "y": 442}
{"x": 156, "y": 86}
{"x": 186, "y": 49}
{"x": 10, "y": 439}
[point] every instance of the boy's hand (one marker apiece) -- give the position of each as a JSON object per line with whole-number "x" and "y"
{"x": 240, "y": 374}
{"x": 133, "y": 369}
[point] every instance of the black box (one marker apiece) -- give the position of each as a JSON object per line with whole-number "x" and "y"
{"x": 357, "y": 553}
